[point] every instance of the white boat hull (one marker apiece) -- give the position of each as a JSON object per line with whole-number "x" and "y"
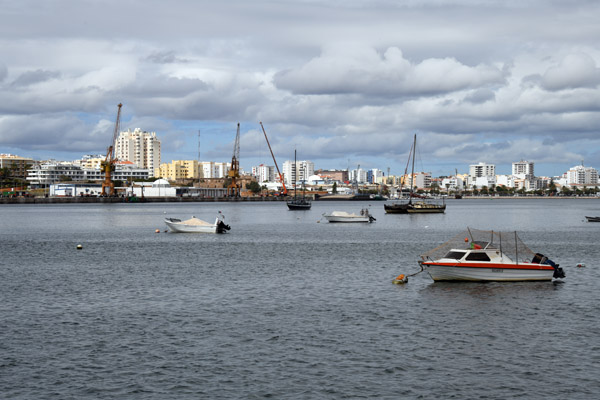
{"x": 179, "y": 226}
{"x": 496, "y": 273}
{"x": 334, "y": 218}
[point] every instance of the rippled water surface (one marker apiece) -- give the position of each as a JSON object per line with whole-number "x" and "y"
{"x": 285, "y": 306}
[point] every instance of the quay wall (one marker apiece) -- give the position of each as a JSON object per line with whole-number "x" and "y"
{"x": 83, "y": 200}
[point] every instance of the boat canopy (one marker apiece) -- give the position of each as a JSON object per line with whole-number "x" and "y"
{"x": 507, "y": 243}
{"x": 196, "y": 221}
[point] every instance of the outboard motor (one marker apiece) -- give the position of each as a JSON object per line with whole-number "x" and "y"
{"x": 559, "y": 273}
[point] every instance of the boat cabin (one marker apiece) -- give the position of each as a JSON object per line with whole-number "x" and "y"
{"x": 478, "y": 252}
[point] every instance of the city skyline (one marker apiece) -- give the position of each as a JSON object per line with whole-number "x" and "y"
{"x": 342, "y": 83}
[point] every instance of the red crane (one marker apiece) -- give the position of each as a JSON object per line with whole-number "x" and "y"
{"x": 108, "y": 165}
{"x": 284, "y": 192}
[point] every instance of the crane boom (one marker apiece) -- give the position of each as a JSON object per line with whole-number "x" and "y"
{"x": 108, "y": 165}
{"x": 272, "y": 155}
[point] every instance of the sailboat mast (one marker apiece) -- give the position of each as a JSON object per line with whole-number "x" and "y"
{"x": 412, "y": 174}
{"x": 296, "y": 174}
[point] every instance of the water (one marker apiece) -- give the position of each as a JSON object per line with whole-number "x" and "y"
{"x": 285, "y": 306}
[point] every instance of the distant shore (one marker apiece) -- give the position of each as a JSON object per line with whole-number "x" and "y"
{"x": 108, "y": 200}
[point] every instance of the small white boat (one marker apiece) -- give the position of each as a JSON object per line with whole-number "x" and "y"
{"x": 195, "y": 225}
{"x": 343, "y": 216}
{"x": 488, "y": 256}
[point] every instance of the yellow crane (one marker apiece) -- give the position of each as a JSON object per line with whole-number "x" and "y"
{"x": 233, "y": 190}
{"x": 108, "y": 165}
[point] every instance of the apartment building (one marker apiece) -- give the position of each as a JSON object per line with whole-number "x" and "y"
{"x": 139, "y": 147}
{"x": 297, "y": 172}
{"x": 18, "y": 166}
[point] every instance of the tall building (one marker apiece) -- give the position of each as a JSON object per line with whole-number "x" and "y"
{"x": 140, "y": 147}
{"x": 523, "y": 169}
{"x": 580, "y": 175}
{"x": 264, "y": 173}
{"x": 211, "y": 169}
{"x": 480, "y": 170}
{"x": 359, "y": 175}
{"x": 298, "y": 172}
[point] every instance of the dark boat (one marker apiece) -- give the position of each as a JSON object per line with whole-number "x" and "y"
{"x": 423, "y": 206}
{"x": 299, "y": 203}
{"x": 593, "y": 219}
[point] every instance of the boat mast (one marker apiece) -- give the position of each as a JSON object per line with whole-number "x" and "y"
{"x": 412, "y": 174}
{"x": 295, "y": 175}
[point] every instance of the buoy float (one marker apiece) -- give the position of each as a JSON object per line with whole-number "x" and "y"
{"x": 79, "y": 247}
{"x": 157, "y": 231}
{"x": 400, "y": 279}
{"x": 580, "y": 265}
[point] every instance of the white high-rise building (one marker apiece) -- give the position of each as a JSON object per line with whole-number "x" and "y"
{"x": 304, "y": 170}
{"x": 211, "y": 169}
{"x": 140, "y": 147}
{"x": 359, "y": 175}
{"x": 580, "y": 175}
{"x": 482, "y": 169}
{"x": 264, "y": 173}
{"x": 523, "y": 169}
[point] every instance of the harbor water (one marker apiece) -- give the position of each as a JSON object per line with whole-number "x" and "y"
{"x": 288, "y": 306}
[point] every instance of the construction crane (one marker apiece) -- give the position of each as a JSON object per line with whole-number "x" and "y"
{"x": 284, "y": 191}
{"x": 108, "y": 165}
{"x": 233, "y": 190}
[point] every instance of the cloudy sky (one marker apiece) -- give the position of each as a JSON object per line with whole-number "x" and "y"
{"x": 343, "y": 82}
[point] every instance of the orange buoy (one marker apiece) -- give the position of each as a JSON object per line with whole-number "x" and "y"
{"x": 466, "y": 240}
{"x": 400, "y": 279}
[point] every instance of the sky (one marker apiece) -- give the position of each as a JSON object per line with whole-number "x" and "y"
{"x": 344, "y": 83}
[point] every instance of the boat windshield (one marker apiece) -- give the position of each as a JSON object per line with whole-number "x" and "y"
{"x": 455, "y": 255}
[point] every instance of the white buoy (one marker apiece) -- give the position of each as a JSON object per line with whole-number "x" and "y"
{"x": 157, "y": 231}
{"x": 79, "y": 247}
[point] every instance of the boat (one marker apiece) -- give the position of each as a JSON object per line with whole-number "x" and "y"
{"x": 343, "y": 216}
{"x": 195, "y": 225}
{"x": 488, "y": 256}
{"x": 593, "y": 219}
{"x": 422, "y": 206}
{"x": 299, "y": 203}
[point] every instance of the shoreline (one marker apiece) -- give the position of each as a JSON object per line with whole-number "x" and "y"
{"x": 110, "y": 200}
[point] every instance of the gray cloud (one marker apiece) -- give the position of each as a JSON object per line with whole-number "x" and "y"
{"x": 32, "y": 77}
{"x": 340, "y": 80}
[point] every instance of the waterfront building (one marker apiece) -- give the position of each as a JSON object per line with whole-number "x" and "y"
{"x": 17, "y": 166}
{"x": 487, "y": 181}
{"x": 452, "y": 183}
{"x": 375, "y": 175}
{"x": 90, "y": 161}
{"x": 507, "y": 181}
{"x": 358, "y": 175}
{"x": 340, "y": 175}
{"x": 178, "y": 170}
{"x": 422, "y": 180}
{"x": 54, "y": 171}
{"x": 139, "y": 147}
{"x": 580, "y": 175}
{"x": 264, "y": 173}
{"x": 298, "y": 172}
{"x": 481, "y": 170}
{"x": 523, "y": 169}
{"x": 212, "y": 170}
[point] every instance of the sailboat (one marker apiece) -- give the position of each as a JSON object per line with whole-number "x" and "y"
{"x": 299, "y": 203}
{"x": 422, "y": 206}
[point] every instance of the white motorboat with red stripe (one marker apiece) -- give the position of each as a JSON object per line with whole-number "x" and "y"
{"x": 488, "y": 256}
